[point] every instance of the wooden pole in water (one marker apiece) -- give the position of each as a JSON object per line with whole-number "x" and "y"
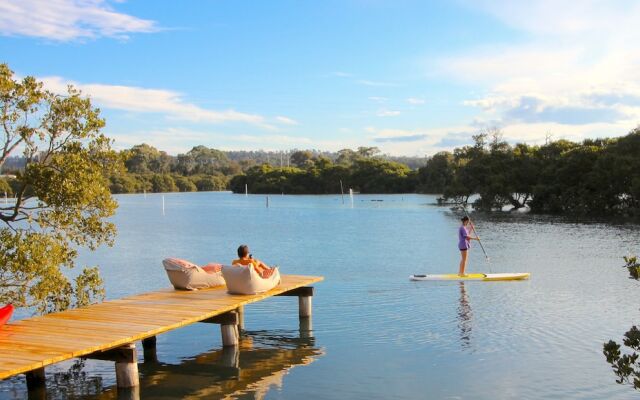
{"x": 267, "y": 201}
{"x": 149, "y": 350}
{"x": 304, "y": 306}
{"x": 342, "y": 191}
{"x": 162, "y": 204}
{"x": 127, "y": 367}
{"x": 246, "y": 189}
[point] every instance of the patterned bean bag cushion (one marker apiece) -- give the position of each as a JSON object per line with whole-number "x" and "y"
{"x": 188, "y": 276}
{"x": 246, "y": 280}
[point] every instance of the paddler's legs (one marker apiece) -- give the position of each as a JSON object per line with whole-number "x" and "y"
{"x": 463, "y": 262}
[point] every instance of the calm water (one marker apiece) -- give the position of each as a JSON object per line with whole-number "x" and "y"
{"x": 376, "y": 334}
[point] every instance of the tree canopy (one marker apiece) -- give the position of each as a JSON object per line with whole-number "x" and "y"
{"x": 61, "y": 196}
{"x": 597, "y": 176}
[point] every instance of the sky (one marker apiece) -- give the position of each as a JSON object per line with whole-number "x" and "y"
{"x": 410, "y": 77}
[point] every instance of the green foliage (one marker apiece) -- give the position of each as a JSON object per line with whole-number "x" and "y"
{"x": 185, "y": 184}
{"x": 633, "y": 266}
{"x": 62, "y": 197}
{"x": 142, "y": 159}
{"x": 301, "y": 158}
{"x": 163, "y": 183}
{"x": 5, "y": 187}
{"x": 125, "y": 183}
{"x": 595, "y": 177}
{"x": 321, "y": 176}
{"x": 437, "y": 174}
{"x": 626, "y": 366}
{"x": 211, "y": 183}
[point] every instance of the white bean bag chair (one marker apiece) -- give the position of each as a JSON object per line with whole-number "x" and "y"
{"x": 188, "y": 276}
{"x": 246, "y": 280}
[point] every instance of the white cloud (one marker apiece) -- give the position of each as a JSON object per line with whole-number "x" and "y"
{"x": 180, "y": 140}
{"x": 420, "y": 142}
{"x": 415, "y": 100}
{"x": 378, "y": 99}
{"x": 64, "y": 20}
{"x": 577, "y": 71}
{"x": 286, "y": 121}
{"x": 171, "y": 104}
{"x": 388, "y": 113}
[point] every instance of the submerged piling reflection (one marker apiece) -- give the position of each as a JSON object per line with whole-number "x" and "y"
{"x": 260, "y": 362}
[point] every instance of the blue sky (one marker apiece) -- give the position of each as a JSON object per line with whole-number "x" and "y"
{"x": 411, "y": 77}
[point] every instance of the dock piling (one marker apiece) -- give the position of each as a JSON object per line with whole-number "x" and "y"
{"x": 228, "y": 327}
{"x": 127, "y": 367}
{"x": 36, "y": 383}
{"x": 240, "y": 312}
{"x": 149, "y": 350}
{"x": 229, "y": 335}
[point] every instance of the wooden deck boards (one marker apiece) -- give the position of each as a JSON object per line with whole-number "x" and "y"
{"x": 40, "y": 341}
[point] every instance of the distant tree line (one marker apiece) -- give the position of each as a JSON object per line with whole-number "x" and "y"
{"x": 360, "y": 170}
{"x": 597, "y": 176}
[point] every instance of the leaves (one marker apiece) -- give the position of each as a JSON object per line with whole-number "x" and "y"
{"x": 62, "y": 198}
{"x": 626, "y": 366}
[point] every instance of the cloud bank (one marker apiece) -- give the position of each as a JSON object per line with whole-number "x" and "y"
{"x": 66, "y": 20}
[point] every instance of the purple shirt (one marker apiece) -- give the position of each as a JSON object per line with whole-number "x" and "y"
{"x": 463, "y": 243}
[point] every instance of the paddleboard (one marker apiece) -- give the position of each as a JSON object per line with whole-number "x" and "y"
{"x": 472, "y": 277}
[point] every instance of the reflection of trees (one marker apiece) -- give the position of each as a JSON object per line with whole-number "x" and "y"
{"x": 260, "y": 362}
{"x": 627, "y": 366}
{"x": 464, "y": 318}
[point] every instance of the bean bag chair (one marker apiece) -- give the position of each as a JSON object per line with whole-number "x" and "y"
{"x": 5, "y": 313}
{"x": 246, "y": 280}
{"x": 188, "y": 276}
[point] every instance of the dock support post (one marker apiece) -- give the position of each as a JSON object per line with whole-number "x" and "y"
{"x": 36, "y": 384}
{"x": 127, "y": 367}
{"x": 229, "y": 335}
{"x": 228, "y": 327}
{"x": 149, "y": 350}
{"x": 240, "y": 311}
{"x": 304, "y": 306}
{"x": 304, "y": 294}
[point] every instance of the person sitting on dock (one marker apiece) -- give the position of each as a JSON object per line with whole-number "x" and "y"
{"x": 246, "y": 259}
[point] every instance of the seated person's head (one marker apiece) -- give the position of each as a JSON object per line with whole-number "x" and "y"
{"x": 243, "y": 251}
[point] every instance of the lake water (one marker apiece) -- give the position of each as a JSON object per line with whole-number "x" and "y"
{"x": 376, "y": 335}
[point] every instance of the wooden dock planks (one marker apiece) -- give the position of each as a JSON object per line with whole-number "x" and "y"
{"x": 40, "y": 341}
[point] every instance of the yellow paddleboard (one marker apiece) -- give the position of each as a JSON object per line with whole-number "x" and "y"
{"x": 472, "y": 277}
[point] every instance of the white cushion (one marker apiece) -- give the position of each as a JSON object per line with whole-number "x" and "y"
{"x": 246, "y": 280}
{"x": 188, "y": 276}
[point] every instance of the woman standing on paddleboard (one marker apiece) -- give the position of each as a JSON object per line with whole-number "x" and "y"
{"x": 464, "y": 243}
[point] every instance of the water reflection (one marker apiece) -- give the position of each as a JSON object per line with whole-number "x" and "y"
{"x": 249, "y": 371}
{"x": 464, "y": 318}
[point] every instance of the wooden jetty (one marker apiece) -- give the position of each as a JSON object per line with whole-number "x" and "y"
{"x": 109, "y": 330}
